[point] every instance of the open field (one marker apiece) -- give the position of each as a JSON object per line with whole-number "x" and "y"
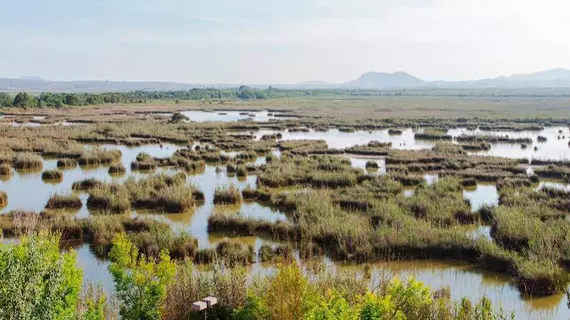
{"x": 343, "y": 107}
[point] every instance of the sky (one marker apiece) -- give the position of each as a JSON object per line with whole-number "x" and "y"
{"x": 279, "y": 42}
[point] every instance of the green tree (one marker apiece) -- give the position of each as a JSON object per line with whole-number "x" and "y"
{"x": 37, "y": 281}
{"x": 72, "y": 100}
{"x": 5, "y": 100}
{"x": 23, "y": 100}
{"x": 140, "y": 282}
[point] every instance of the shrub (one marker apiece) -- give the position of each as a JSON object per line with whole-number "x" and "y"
{"x": 61, "y": 201}
{"x": 140, "y": 282}
{"x": 50, "y": 277}
{"x": 52, "y": 175}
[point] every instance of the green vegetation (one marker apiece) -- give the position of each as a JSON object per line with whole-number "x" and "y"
{"x": 140, "y": 282}
{"x": 51, "y": 280}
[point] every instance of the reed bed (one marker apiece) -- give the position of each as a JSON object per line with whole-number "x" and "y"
{"x": 5, "y": 170}
{"x": 28, "y": 161}
{"x": 86, "y": 184}
{"x": 227, "y": 195}
{"x": 161, "y": 192}
{"x": 68, "y": 163}
{"x": 3, "y": 199}
{"x": 52, "y": 175}
{"x": 117, "y": 169}
{"x": 64, "y": 201}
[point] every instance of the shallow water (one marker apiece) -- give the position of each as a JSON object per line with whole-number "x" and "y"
{"x": 340, "y": 140}
{"x": 551, "y": 149}
{"x": 228, "y": 116}
{"x": 464, "y": 280}
{"x": 483, "y": 194}
{"x": 27, "y": 191}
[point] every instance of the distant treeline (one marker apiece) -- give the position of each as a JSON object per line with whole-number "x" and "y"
{"x": 59, "y": 99}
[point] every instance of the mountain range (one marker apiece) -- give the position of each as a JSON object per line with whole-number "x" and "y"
{"x": 553, "y": 78}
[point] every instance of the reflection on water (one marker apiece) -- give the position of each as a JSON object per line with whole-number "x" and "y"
{"x": 228, "y": 116}
{"x": 27, "y": 191}
{"x": 360, "y": 163}
{"x": 340, "y": 140}
{"x": 483, "y": 194}
{"x": 554, "y": 185}
{"x": 553, "y": 148}
{"x": 466, "y": 280}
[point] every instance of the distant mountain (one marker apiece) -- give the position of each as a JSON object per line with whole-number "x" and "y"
{"x": 558, "y": 74}
{"x": 375, "y": 80}
{"x": 554, "y": 78}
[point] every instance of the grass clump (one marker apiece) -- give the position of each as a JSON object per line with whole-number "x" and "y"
{"x": 372, "y": 165}
{"x": 66, "y": 163}
{"x": 3, "y": 199}
{"x": 249, "y": 193}
{"x": 5, "y": 170}
{"x": 117, "y": 169}
{"x": 52, "y": 175}
{"x": 86, "y": 184}
{"x": 64, "y": 201}
{"x": 28, "y": 161}
{"x": 108, "y": 199}
{"x": 143, "y": 166}
{"x": 228, "y": 195}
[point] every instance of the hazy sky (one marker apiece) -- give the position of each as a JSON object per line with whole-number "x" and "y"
{"x": 286, "y": 41}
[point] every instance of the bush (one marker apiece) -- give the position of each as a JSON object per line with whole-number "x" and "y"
{"x": 140, "y": 282}
{"x": 50, "y": 277}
